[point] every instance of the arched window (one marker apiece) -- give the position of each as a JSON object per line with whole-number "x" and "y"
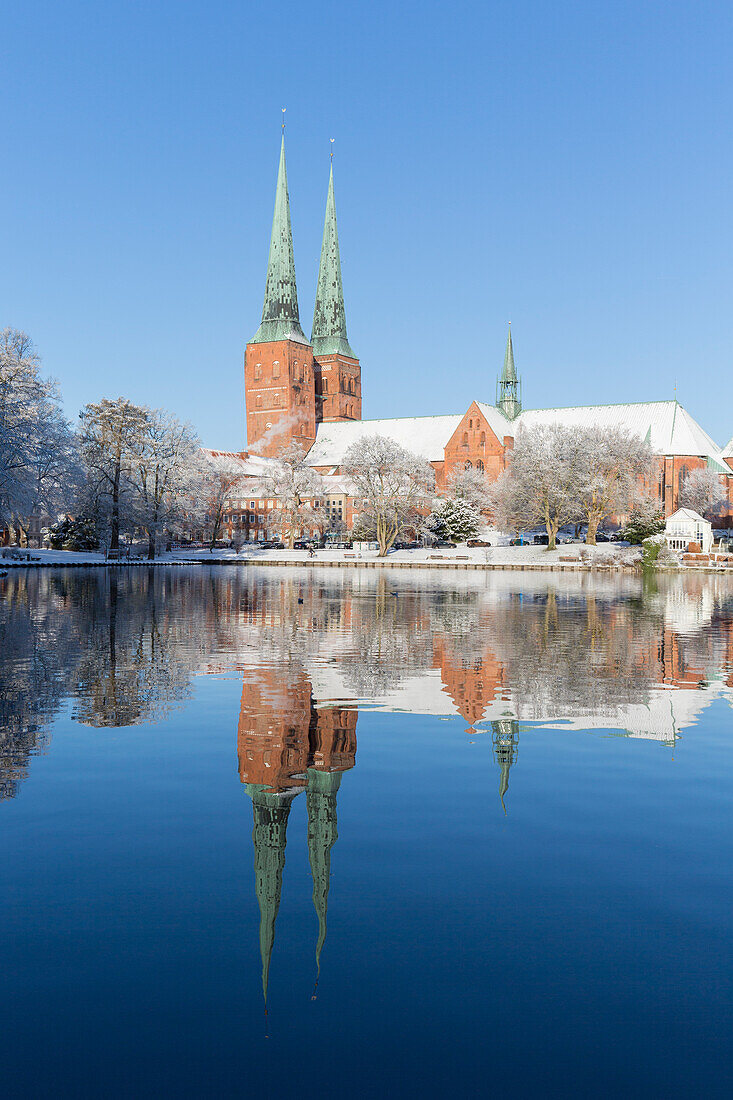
{"x": 258, "y": 371}
{"x": 277, "y": 399}
{"x": 470, "y": 423}
{"x": 468, "y": 465}
{"x": 482, "y": 440}
{"x": 324, "y": 388}
{"x": 259, "y": 401}
{"x": 480, "y": 466}
{"x": 465, "y": 439}
{"x": 276, "y": 369}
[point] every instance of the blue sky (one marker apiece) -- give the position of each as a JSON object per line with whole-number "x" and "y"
{"x": 565, "y": 166}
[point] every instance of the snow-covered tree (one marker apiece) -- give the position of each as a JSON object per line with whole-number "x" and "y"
{"x": 394, "y": 484}
{"x": 470, "y": 485}
{"x": 166, "y": 472}
{"x": 611, "y": 465}
{"x": 297, "y": 487}
{"x": 646, "y": 519}
{"x": 37, "y": 447}
{"x": 540, "y": 485}
{"x": 112, "y": 441}
{"x": 220, "y": 478}
{"x": 702, "y": 492}
{"x": 458, "y": 520}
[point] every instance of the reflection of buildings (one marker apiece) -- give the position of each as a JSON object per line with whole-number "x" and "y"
{"x": 287, "y": 745}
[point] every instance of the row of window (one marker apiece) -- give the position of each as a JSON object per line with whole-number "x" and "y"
{"x": 348, "y": 385}
{"x": 468, "y": 465}
{"x": 297, "y": 373}
{"x": 482, "y": 437}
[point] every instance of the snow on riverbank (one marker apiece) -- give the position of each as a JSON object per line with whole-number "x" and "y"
{"x": 497, "y": 556}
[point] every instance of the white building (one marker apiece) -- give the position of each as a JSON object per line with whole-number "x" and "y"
{"x": 685, "y": 526}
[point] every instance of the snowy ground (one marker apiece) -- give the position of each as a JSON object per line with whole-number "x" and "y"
{"x": 461, "y": 555}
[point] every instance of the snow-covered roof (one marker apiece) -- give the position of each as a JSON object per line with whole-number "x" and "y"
{"x": 686, "y": 514}
{"x": 247, "y": 465}
{"x": 422, "y": 435}
{"x": 727, "y": 451}
{"x": 500, "y": 424}
{"x": 668, "y": 426}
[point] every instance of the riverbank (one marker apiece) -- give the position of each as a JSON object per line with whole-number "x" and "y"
{"x": 568, "y": 558}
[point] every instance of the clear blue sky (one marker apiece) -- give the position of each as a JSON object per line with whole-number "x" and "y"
{"x": 565, "y": 166}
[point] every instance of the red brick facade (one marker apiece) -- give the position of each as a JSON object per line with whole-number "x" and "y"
{"x": 280, "y": 396}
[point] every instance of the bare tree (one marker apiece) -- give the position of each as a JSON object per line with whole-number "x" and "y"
{"x": 112, "y": 435}
{"x": 611, "y": 465}
{"x": 540, "y": 485}
{"x": 297, "y": 488}
{"x": 702, "y": 492}
{"x": 220, "y": 479}
{"x": 165, "y": 473}
{"x": 469, "y": 485}
{"x": 394, "y": 484}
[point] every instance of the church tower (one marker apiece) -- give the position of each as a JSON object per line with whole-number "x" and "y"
{"x": 279, "y": 383}
{"x": 338, "y": 374}
{"x": 509, "y": 388}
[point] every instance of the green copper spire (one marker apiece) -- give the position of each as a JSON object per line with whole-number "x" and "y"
{"x": 508, "y": 389}
{"x": 280, "y": 320}
{"x": 271, "y": 812}
{"x": 506, "y": 737}
{"x": 322, "y": 835}
{"x": 329, "y": 317}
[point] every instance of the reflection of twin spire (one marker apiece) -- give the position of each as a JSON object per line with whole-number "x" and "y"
{"x": 271, "y": 811}
{"x": 506, "y": 739}
{"x": 287, "y": 745}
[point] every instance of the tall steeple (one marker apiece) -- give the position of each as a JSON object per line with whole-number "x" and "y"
{"x": 508, "y": 388}
{"x": 329, "y": 317}
{"x": 506, "y": 739}
{"x": 280, "y": 320}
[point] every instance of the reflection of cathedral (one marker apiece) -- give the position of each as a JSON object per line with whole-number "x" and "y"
{"x": 286, "y": 745}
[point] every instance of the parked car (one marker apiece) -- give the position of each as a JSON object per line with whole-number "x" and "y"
{"x": 601, "y": 536}
{"x": 305, "y": 544}
{"x": 272, "y": 544}
{"x": 542, "y": 540}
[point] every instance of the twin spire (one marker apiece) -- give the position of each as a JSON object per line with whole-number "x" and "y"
{"x": 280, "y": 317}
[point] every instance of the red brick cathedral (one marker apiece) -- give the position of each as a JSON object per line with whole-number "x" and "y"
{"x": 309, "y": 391}
{"x": 292, "y": 384}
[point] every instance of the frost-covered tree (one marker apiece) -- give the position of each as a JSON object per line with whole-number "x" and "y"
{"x": 393, "y": 483}
{"x": 702, "y": 492}
{"x": 112, "y": 441}
{"x": 610, "y": 464}
{"x": 166, "y": 471}
{"x": 220, "y": 478}
{"x": 646, "y": 519}
{"x": 37, "y": 447}
{"x": 297, "y": 487}
{"x": 458, "y": 520}
{"x": 540, "y": 485}
{"x": 470, "y": 485}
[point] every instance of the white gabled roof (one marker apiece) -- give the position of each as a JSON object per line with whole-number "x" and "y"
{"x": 669, "y": 427}
{"x": 727, "y": 451}
{"x": 686, "y": 514}
{"x": 422, "y": 435}
{"x": 247, "y": 465}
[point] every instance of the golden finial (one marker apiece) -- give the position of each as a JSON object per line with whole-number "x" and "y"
{"x": 332, "y": 141}
{"x": 284, "y": 109}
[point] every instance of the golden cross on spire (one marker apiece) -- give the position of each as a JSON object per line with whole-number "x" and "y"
{"x": 283, "y": 123}
{"x": 332, "y": 141}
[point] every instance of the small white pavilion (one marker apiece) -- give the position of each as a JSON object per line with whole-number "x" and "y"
{"x": 686, "y": 526}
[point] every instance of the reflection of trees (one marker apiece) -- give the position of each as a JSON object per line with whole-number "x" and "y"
{"x": 35, "y": 635}
{"x": 134, "y": 667}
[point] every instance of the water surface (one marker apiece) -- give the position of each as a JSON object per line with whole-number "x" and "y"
{"x": 295, "y": 833}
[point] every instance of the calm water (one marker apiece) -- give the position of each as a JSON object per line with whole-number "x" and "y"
{"x": 283, "y": 833}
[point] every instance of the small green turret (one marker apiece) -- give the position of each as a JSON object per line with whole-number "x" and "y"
{"x": 508, "y": 387}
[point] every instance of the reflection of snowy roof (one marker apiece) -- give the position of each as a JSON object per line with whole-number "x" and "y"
{"x": 425, "y": 436}
{"x": 670, "y": 428}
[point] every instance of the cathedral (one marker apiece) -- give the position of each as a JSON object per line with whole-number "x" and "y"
{"x": 309, "y": 391}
